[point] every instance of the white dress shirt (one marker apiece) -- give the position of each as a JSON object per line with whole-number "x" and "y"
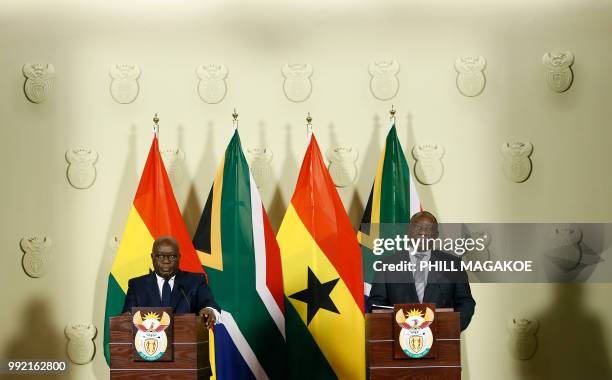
{"x": 160, "y": 283}
{"x": 160, "y": 286}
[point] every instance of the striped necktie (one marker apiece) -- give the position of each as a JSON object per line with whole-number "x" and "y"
{"x": 420, "y": 276}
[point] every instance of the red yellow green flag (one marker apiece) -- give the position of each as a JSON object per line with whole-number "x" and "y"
{"x": 154, "y": 213}
{"x": 322, "y": 277}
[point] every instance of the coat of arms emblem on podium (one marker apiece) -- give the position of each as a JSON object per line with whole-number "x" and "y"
{"x": 415, "y": 336}
{"x": 151, "y": 341}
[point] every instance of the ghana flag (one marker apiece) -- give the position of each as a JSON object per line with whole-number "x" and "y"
{"x": 236, "y": 243}
{"x": 393, "y": 199}
{"x": 154, "y": 213}
{"x": 323, "y": 280}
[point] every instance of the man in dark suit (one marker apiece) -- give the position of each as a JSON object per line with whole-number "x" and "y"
{"x": 167, "y": 286}
{"x": 445, "y": 289}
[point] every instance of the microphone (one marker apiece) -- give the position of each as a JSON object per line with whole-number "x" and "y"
{"x": 185, "y": 296}
{"x": 382, "y": 306}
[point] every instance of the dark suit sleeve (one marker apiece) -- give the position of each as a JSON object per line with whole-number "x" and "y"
{"x": 130, "y": 298}
{"x": 464, "y": 302}
{"x": 378, "y": 292}
{"x": 204, "y": 296}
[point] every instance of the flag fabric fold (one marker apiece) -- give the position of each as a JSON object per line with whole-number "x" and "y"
{"x": 154, "y": 213}
{"x": 322, "y": 277}
{"x": 236, "y": 244}
{"x": 393, "y": 199}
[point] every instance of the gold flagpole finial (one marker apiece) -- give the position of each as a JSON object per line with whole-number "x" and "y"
{"x": 235, "y": 117}
{"x": 308, "y": 126}
{"x": 392, "y": 112}
{"x": 156, "y": 125}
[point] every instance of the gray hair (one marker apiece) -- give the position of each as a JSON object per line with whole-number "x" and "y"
{"x": 165, "y": 240}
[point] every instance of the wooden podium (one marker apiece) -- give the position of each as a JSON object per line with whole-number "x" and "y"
{"x": 190, "y": 347}
{"x": 379, "y": 349}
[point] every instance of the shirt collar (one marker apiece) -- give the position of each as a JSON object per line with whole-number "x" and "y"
{"x": 426, "y": 254}
{"x": 161, "y": 280}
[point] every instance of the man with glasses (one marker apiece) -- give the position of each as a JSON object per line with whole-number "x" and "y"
{"x": 168, "y": 286}
{"x": 445, "y": 289}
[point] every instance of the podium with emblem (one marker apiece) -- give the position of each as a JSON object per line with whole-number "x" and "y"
{"x": 413, "y": 341}
{"x": 154, "y": 343}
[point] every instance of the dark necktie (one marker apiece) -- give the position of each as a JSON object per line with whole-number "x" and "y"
{"x": 165, "y": 298}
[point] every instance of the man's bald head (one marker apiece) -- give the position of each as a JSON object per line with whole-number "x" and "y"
{"x": 424, "y": 216}
{"x": 165, "y": 240}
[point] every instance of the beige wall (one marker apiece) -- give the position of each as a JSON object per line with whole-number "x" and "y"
{"x": 570, "y": 132}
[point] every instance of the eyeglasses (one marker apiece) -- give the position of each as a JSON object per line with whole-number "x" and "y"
{"x": 160, "y": 257}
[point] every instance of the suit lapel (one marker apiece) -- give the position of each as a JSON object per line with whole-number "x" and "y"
{"x": 175, "y": 295}
{"x": 153, "y": 290}
{"x": 408, "y": 289}
{"x": 432, "y": 289}
{"x": 412, "y": 293}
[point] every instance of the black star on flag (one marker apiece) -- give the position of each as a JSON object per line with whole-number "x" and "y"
{"x": 316, "y": 296}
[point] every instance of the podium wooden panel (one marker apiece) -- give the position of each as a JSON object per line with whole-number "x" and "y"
{"x": 379, "y": 350}
{"x": 190, "y": 345}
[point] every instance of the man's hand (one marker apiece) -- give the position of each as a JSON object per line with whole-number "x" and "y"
{"x": 209, "y": 317}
